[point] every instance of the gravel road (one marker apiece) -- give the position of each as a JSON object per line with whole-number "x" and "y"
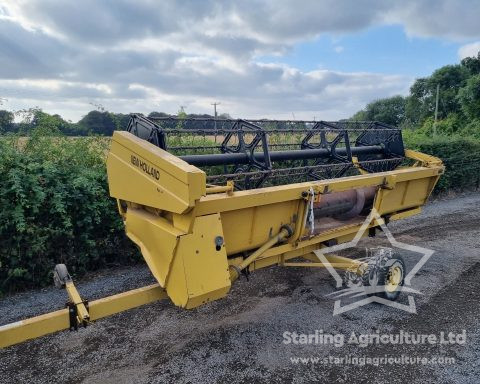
{"x": 240, "y": 338}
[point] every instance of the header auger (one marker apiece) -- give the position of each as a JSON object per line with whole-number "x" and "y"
{"x": 209, "y": 200}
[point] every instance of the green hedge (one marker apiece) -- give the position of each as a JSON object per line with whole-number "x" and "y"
{"x": 461, "y": 156}
{"x": 56, "y": 209}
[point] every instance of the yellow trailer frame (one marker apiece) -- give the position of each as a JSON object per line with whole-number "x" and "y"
{"x": 60, "y": 320}
{"x": 198, "y": 239}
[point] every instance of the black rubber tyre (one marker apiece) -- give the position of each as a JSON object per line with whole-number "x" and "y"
{"x": 392, "y": 278}
{"x": 60, "y": 275}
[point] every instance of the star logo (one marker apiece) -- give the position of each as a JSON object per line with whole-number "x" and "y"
{"x": 360, "y": 291}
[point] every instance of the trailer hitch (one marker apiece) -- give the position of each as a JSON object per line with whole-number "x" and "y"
{"x": 78, "y": 312}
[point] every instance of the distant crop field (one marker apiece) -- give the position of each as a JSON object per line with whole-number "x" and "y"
{"x": 20, "y": 142}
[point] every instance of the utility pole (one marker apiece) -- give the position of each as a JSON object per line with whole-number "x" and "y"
{"x": 215, "y": 108}
{"x": 436, "y": 112}
{"x": 215, "y": 112}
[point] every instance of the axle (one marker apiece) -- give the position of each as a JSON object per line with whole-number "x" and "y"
{"x": 303, "y": 154}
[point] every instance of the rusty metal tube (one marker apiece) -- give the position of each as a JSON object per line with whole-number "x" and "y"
{"x": 344, "y": 205}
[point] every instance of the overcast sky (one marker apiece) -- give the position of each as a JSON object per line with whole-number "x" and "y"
{"x": 304, "y": 59}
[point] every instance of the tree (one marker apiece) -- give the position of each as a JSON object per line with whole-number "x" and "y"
{"x": 158, "y": 114}
{"x": 121, "y": 121}
{"x": 469, "y": 97}
{"x": 101, "y": 123}
{"x": 47, "y": 123}
{"x": 389, "y": 111}
{"x": 6, "y": 121}
{"x": 472, "y": 64}
{"x": 450, "y": 78}
{"x": 420, "y": 105}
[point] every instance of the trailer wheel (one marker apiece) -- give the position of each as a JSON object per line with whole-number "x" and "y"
{"x": 391, "y": 277}
{"x": 60, "y": 275}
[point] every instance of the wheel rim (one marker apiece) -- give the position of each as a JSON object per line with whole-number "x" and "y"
{"x": 395, "y": 275}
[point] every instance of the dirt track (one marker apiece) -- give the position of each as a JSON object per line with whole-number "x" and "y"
{"x": 239, "y": 338}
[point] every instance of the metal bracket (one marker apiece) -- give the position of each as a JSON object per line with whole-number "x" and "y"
{"x": 390, "y": 139}
{"x": 320, "y": 130}
{"x": 236, "y": 142}
{"x": 147, "y": 130}
{"x": 73, "y": 315}
{"x": 389, "y": 182}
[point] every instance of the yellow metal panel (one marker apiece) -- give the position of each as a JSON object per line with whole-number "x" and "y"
{"x": 157, "y": 240}
{"x": 251, "y": 227}
{"x": 408, "y": 194}
{"x": 176, "y": 284}
{"x": 142, "y": 173}
{"x": 270, "y": 195}
{"x": 187, "y": 265}
{"x": 184, "y": 221}
{"x": 205, "y": 268}
{"x": 405, "y": 214}
{"x": 165, "y": 160}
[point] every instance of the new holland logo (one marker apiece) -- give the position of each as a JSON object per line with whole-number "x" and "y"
{"x": 148, "y": 169}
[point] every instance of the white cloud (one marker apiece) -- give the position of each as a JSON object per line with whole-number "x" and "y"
{"x": 145, "y": 55}
{"x": 469, "y": 50}
{"x": 453, "y": 19}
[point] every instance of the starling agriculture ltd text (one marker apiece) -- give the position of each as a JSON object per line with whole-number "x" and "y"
{"x": 365, "y": 339}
